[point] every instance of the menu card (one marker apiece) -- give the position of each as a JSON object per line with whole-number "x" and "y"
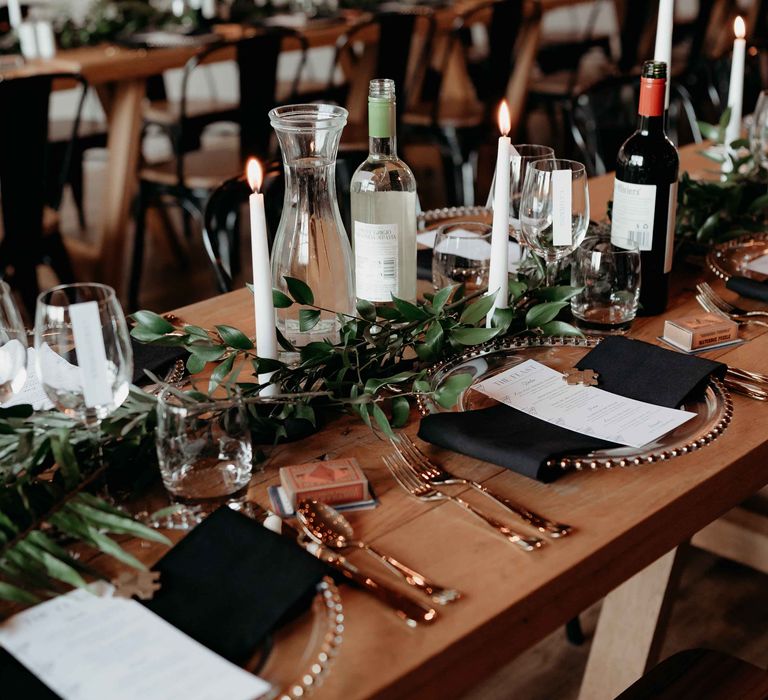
{"x": 88, "y": 647}
{"x": 759, "y": 265}
{"x": 541, "y": 391}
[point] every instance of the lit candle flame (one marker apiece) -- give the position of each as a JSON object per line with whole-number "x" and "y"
{"x": 738, "y": 28}
{"x": 254, "y": 174}
{"x": 505, "y": 122}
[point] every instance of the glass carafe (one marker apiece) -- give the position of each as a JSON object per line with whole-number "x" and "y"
{"x": 311, "y": 243}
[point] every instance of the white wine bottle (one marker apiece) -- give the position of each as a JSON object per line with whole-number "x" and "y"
{"x": 383, "y": 197}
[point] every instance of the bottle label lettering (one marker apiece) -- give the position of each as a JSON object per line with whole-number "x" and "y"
{"x": 634, "y": 207}
{"x": 376, "y": 261}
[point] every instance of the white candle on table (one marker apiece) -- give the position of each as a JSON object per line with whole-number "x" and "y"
{"x": 498, "y": 274}
{"x": 264, "y": 309}
{"x": 665, "y": 24}
{"x": 736, "y": 85}
{"x": 14, "y": 13}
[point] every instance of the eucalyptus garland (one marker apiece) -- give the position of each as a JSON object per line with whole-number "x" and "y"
{"x": 48, "y": 462}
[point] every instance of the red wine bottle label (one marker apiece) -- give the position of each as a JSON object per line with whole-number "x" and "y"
{"x": 632, "y": 215}
{"x": 671, "y": 219}
{"x": 652, "y": 94}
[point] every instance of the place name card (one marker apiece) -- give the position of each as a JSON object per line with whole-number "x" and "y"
{"x": 542, "y": 392}
{"x": 562, "y": 207}
{"x": 87, "y": 647}
{"x": 91, "y": 355}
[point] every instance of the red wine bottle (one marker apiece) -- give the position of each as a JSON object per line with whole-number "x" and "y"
{"x": 645, "y": 192}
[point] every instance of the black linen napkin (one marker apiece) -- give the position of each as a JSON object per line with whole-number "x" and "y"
{"x": 514, "y": 440}
{"x": 230, "y": 581}
{"x": 746, "y": 287}
{"x": 156, "y": 358}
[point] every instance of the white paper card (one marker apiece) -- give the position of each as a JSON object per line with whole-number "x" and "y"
{"x": 86, "y": 647}
{"x": 541, "y": 391}
{"x": 91, "y": 356}
{"x": 758, "y": 265}
{"x": 561, "y": 208}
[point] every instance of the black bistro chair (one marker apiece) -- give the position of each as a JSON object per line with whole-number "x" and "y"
{"x": 31, "y": 234}
{"x": 187, "y": 180}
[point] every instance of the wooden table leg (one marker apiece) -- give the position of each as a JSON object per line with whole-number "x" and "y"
{"x": 123, "y": 141}
{"x": 631, "y": 629}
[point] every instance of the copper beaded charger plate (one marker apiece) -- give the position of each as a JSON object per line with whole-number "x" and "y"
{"x": 713, "y": 411}
{"x": 730, "y": 259}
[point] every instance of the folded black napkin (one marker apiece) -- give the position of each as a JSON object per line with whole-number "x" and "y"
{"x": 227, "y": 584}
{"x": 514, "y": 440}
{"x": 230, "y": 581}
{"x": 155, "y": 358}
{"x": 746, "y": 287}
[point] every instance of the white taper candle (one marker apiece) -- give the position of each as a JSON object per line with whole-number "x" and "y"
{"x": 665, "y": 25}
{"x": 264, "y": 309}
{"x": 736, "y": 85}
{"x": 498, "y": 274}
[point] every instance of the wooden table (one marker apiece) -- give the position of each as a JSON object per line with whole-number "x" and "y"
{"x": 627, "y": 521}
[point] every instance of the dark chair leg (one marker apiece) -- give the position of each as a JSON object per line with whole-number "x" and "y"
{"x": 76, "y": 183}
{"x": 56, "y": 255}
{"x": 573, "y": 632}
{"x": 140, "y": 216}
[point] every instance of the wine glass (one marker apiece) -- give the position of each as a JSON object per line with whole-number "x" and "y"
{"x": 758, "y": 132}
{"x": 554, "y": 211}
{"x": 13, "y": 346}
{"x": 528, "y": 153}
{"x": 83, "y": 351}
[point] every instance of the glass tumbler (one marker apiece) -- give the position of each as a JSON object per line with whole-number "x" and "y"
{"x": 204, "y": 450}
{"x": 610, "y": 277}
{"x": 462, "y": 255}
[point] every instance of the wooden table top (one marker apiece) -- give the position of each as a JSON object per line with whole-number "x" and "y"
{"x": 624, "y": 519}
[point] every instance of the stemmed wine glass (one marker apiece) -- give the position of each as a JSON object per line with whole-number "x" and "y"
{"x": 554, "y": 210}
{"x": 13, "y": 346}
{"x": 83, "y": 351}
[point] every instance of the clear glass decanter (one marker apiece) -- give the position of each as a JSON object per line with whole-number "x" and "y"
{"x": 311, "y": 243}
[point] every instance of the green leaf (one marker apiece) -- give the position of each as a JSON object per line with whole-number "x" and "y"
{"x": 221, "y": 372}
{"x": 473, "y": 336}
{"x": 195, "y": 364}
{"x": 758, "y": 204}
{"x": 366, "y": 310}
{"x": 373, "y": 385}
{"x": 422, "y": 386}
{"x": 543, "y": 313}
{"x": 449, "y": 391}
{"x": 265, "y": 365}
{"x": 388, "y": 313}
{"x": 401, "y": 409}
{"x": 153, "y": 322}
{"x": 560, "y": 328}
{"x": 16, "y": 595}
{"x": 284, "y": 343}
{"x": 54, "y": 567}
{"x": 144, "y": 335}
{"x": 206, "y": 351}
{"x": 196, "y": 331}
{"x": 381, "y": 420}
{"x": 308, "y": 319}
{"x": 502, "y": 319}
{"x": 300, "y": 291}
{"x": 709, "y": 131}
{"x": 316, "y": 351}
{"x": 440, "y": 298}
{"x": 64, "y": 455}
{"x": 433, "y": 342}
{"x": 516, "y": 289}
{"x": 478, "y": 310}
{"x": 725, "y": 117}
{"x": 561, "y": 293}
{"x": 280, "y": 300}
{"x": 234, "y": 338}
{"x": 119, "y": 524}
{"x": 410, "y": 312}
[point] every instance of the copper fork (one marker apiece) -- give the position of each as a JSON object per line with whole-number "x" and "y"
{"x": 404, "y": 474}
{"x": 435, "y": 476}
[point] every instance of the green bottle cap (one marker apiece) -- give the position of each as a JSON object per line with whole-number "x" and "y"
{"x": 381, "y": 108}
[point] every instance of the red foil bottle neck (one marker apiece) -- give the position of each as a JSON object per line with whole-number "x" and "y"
{"x": 652, "y": 97}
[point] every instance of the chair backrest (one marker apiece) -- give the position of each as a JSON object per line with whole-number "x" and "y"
{"x": 636, "y": 22}
{"x": 256, "y": 58}
{"x": 23, "y": 161}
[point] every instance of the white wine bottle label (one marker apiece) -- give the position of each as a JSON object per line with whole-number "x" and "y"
{"x": 671, "y": 220}
{"x": 632, "y": 216}
{"x": 562, "y": 208}
{"x": 376, "y": 261}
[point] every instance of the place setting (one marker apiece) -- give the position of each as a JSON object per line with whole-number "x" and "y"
{"x": 269, "y": 457}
